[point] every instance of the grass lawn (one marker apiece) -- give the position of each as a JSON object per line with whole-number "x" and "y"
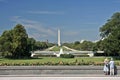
{"x": 57, "y": 48}
{"x": 54, "y": 61}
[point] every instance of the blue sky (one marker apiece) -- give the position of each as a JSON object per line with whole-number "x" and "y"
{"x": 77, "y": 19}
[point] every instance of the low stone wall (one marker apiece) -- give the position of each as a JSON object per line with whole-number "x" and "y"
{"x": 53, "y": 70}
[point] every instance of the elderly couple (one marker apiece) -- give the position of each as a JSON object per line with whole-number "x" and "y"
{"x": 109, "y": 67}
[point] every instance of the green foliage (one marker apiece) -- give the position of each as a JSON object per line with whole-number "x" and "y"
{"x": 57, "y": 48}
{"x": 55, "y": 61}
{"x": 84, "y": 46}
{"x": 87, "y": 45}
{"x": 110, "y": 32}
{"x": 19, "y": 39}
{"x": 110, "y": 42}
{"x": 111, "y": 25}
{"x": 83, "y": 55}
{"x": 16, "y": 44}
{"x": 6, "y": 41}
{"x": 31, "y": 44}
{"x": 38, "y": 56}
{"x": 100, "y": 54}
{"x": 77, "y": 42}
{"x": 67, "y": 56}
{"x": 40, "y": 45}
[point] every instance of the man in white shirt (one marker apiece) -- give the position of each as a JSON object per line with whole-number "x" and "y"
{"x": 111, "y": 66}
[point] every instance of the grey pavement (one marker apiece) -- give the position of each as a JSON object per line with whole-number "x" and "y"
{"x": 59, "y": 78}
{"x": 54, "y": 70}
{"x": 63, "y": 75}
{"x": 55, "y": 73}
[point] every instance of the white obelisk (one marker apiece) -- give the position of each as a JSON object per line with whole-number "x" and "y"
{"x": 59, "y": 44}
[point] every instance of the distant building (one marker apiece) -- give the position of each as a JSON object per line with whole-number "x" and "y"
{"x": 82, "y": 41}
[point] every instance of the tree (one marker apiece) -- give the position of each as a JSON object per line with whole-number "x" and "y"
{"x": 31, "y": 44}
{"x": 110, "y": 33}
{"x": 111, "y": 25}
{"x": 19, "y": 46}
{"x": 77, "y": 42}
{"x": 40, "y": 45}
{"x": 86, "y": 45}
{"x": 6, "y": 43}
{"x": 16, "y": 44}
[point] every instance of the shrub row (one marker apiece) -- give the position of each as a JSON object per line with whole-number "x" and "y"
{"x": 67, "y": 56}
{"x": 62, "y": 56}
{"x": 44, "y": 56}
{"x": 81, "y": 55}
{"x": 47, "y": 63}
{"x": 55, "y": 63}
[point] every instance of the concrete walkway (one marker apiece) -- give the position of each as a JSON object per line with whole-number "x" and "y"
{"x": 59, "y": 78}
{"x": 54, "y": 70}
{"x": 55, "y": 73}
{"x": 59, "y": 75}
{"x": 50, "y": 48}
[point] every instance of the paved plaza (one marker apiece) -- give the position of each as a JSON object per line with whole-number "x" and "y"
{"x": 55, "y": 73}
{"x": 59, "y": 78}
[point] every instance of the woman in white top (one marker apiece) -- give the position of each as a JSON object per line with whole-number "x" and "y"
{"x": 106, "y": 66}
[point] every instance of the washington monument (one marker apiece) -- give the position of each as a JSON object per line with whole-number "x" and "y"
{"x": 59, "y": 43}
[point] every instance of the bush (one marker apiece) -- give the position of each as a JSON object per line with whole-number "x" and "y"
{"x": 36, "y": 56}
{"x": 116, "y": 57}
{"x": 99, "y": 54}
{"x": 81, "y": 55}
{"x": 67, "y": 56}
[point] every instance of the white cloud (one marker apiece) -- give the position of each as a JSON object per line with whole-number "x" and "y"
{"x": 35, "y": 29}
{"x": 19, "y": 19}
{"x": 46, "y": 12}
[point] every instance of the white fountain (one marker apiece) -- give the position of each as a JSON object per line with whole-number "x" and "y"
{"x": 61, "y": 52}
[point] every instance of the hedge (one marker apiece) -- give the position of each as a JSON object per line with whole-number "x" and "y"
{"x": 67, "y": 56}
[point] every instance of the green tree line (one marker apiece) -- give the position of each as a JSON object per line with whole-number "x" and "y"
{"x": 84, "y": 46}
{"x": 15, "y": 43}
{"x": 110, "y": 38}
{"x": 110, "y": 33}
